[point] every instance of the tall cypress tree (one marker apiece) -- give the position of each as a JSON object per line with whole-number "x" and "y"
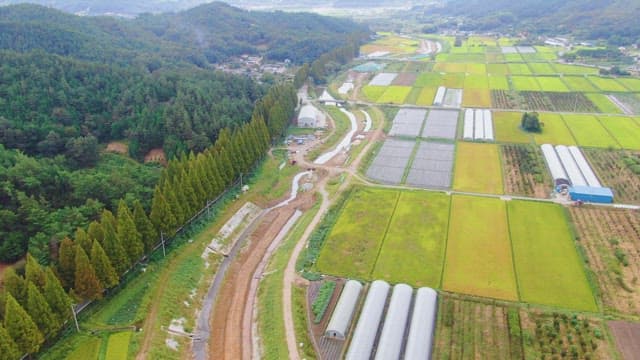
{"x": 112, "y": 245}
{"x": 15, "y": 285}
{"x": 128, "y": 235}
{"x": 189, "y": 194}
{"x": 21, "y": 327}
{"x": 87, "y": 285}
{"x": 58, "y": 300}
{"x": 161, "y": 215}
{"x": 144, "y": 226}
{"x": 34, "y": 272}
{"x": 8, "y": 347}
{"x": 40, "y": 312}
{"x": 67, "y": 263}
{"x": 81, "y": 238}
{"x": 101, "y": 264}
{"x": 95, "y": 232}
{"x": 177, "y": 209}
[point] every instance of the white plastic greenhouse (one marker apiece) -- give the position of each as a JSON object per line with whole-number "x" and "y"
{"x": 365, "y": 334}
{"x": 468, "y": 125}
{"x": 570, "y": 166}
{"x": 478, "y": 133}
{"x": 395, "y": 323}
{"x": 423, "y": 322}
{"x": 560, "y": 178}
{"x": 343, "y": 313}
{"x": 584, "y": 167}
{"x": 488, "y": 125}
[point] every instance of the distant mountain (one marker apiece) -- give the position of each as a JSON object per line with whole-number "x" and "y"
{"x": 205, "y": 34}
{"x": 614, "y": 20}
{"x": 125, "y": 8}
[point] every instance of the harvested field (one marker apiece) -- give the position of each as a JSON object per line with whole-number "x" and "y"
{"x": 390, "y": 163}
{"x": 614, "y": 168}
{"x": 441, "y": 124}
{"x": 477, "y": 98}
{"x": 473, "y": 330}
{"x": 432, "y": 166}
{"x": 525, "y": 171}
{"x": 449, "y": 67}
{"x": 479, "y": 226}
{"x": 548, "y": 267}
{"x": 624, "y": 129}
{"x": 405, "y": 79}
{"x": 604, "y": 104}
{"x": 414, "y": 246}
{"x": 507, "y": 128}
{"x": 626, "y": 335}
{"x": 358, "y": 233}
{"x": 588, "y": 131}
{"x": 477, "y": 168}
{"x": 455, "y": 81}
{"x": 554, "y": 131}
{"x": 610, "y": 239}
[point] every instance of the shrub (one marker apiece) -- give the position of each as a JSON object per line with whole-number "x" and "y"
{"x": 320, "y": 304}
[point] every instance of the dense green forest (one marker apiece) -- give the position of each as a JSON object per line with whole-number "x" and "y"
{"x": 611, "y": 20}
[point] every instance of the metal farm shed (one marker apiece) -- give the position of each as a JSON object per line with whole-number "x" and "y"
{"x": 468, "y": 125}
{"x": 560, "y": 179}
{"x": 395, "y": 322}
{"x": 570, "y": 166}
{"x": 365, "y": 334}
{"x": 343, "y": 313}
{"x": 600, "y": 195}
{"x": 589, "y": 175}
{"x": 423, "y": 322}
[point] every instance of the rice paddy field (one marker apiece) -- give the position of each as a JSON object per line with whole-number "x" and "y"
{"x": 477, "y": 168}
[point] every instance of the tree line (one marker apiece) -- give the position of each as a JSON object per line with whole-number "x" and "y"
{"x": 35, "y": 305}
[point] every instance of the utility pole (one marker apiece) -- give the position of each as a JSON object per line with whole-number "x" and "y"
{"x": 164, "y": 253}
{"x": 75, "y": 319}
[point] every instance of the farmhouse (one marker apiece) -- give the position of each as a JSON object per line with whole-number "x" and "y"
{"x": 343, "y": 313}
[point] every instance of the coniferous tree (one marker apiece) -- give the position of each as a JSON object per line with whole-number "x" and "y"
{"x": 144, "y": 226}
{"x": 58, "y": 300}
{"x": 82, "y": 239}
{"x": 95, "y": 232}
{"x": 67, "y": 263}
{"x": 128, "y": 235}
{"x": 21, "y": 327}
{"x": 34, "y": 272}
{"x": 40, "y": 312}
{"x": 177, "y": 209}
{"x": 15, "y": 285}
{"x": 161, "y": 215}
{"x": 8, "y": 348}
{"x": 87, "y": 285}
{"x": 112, "y": 245}
{"x": 101, "y": 264}
{"x": 184, "y": 185}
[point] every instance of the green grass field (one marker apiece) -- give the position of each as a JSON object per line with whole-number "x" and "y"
{"x": 476, "y": 82}
{"x": 477, "y": 168}
{"x": 574, "y": 69}
{"x": 579, "y": 83}
{"x": 413, "y": 250}
{"x": 552, "y": 84}
{"x": 589, "y": 132}
{"x": 87, "y": 349}
{"x": 607, "y": 84}
{"x": 525, "y": 83}
{"x": 547, "y": 265}
{"x": 476, "y": 98}
{"x": 478, "y": 259}
{"x": 542, "y": 68}
{"x": 394, "y": 95}
{"x": 624, "y": 129}
{"x": 513, "y": 58}
{"x": 554, "y": 131}
{"x": 479, "y": 69}
{"x": 118, "y": 346}
{"x": 428, "y": 80}
{"x": 498, "y": 82}
{"x": 519, "y": 69}
{"x": 358, "y": 233}
{"x": 498, "y": 69}
{"x": 604, "y": 104}
{"x": 372, "y": 92}
{"x": 632, "y": 84}
{"x": 455, "y": 81}
{"x": 507, "y": 128}
{"x": 426, "y": 96}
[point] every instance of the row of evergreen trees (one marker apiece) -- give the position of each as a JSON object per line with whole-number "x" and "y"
{"x": 36, "y": 305}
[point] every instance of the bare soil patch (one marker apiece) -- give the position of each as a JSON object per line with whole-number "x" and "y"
{"x": 611, "y": 240}
{"x": 405, "y": 79}
{"x": 626, "y": 335}
{"x": 156, "y": 155}
{"x": 118, "y": 148}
